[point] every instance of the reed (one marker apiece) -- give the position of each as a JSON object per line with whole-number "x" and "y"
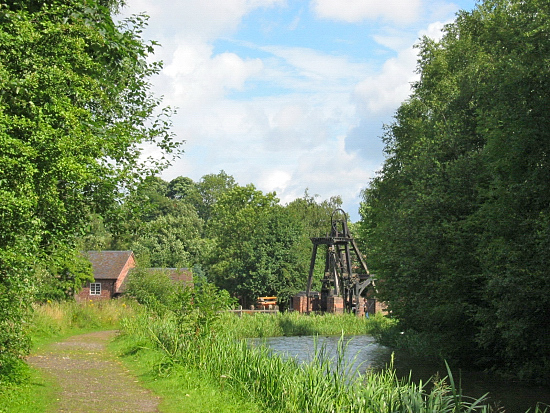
{"x": 283, "y": 384}
{"x": 296, "y": 324}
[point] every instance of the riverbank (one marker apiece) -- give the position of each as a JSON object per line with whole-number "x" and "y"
{"x": 212, "y": 350}
{"x": 199, "y": 362}
{"x": 363, "y": 352}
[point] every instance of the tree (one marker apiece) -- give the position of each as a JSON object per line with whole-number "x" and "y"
{"x": 457, "y": 220}
{"x": 172, "y": 240}
{"x": 208, "y": 191}
{"x": 315, "y": 216}
{"x": 256, "y": 240}
{"x": 181, "y": 188}
{"x": 75, "y": 108}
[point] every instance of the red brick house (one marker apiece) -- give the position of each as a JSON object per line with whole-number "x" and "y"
{"x": 110, "y": 270}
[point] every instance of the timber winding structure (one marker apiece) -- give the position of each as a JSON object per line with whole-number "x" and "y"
{"x": 346, "y": 274}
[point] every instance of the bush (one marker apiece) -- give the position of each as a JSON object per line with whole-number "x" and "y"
{"x": 154, "y": 289}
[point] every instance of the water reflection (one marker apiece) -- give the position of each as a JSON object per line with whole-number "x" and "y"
{"x": 362, "y": 352}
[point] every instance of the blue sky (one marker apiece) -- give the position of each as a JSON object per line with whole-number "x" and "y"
{"x": 288, "y": 95}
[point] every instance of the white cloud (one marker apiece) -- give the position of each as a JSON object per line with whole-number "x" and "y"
{"x": 196, "y": 19}
{"x": 294, "y": 136}
{"x": 317, "y": 64}
{"x": 196, "y": 76}
{"x": 354, "y": 11}
{"x": 328, "y": 170}
{"x": 274, "y": 180}
{"x": 384, "y": 91}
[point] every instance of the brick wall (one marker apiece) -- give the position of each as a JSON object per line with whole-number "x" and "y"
{"x": 131, "y": 263}
{"x": 335, "y": 304}
{"x": 299, "y": 303}
{"x": 107, "y": 291}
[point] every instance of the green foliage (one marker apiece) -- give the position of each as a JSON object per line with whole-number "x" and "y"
{"x": 457, "y": 220}
{"x": 68, "y": 270}
{"x": 181, "y": 388}
{"x": 33, "y": 394}
{"x": 171, "y": 240}
{"x": 75, "y": 110}
{"x": 315, "y": 216}
{"x": 256, "y": 240}
{"x": 296, "y": 324}
{"x": 53, "y": 320}
{"x": 153, "y": 288}
{"x": 208, "y": 191}
{"x": 201, "y": 302}
{"x": 242, "y": 239}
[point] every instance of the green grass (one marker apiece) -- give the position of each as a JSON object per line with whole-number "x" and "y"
{"x": 36, "y": 394}
{"x": 205, "y": 366}
{"x": 182, "y": 388}
{"x": 55, "y": 321}
{"x": 214, "y": 354}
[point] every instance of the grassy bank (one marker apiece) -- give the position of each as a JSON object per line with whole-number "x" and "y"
{"x": 199, "y": 362}
{"x": 54, "y": 321}
{"x": 212, "y": 352}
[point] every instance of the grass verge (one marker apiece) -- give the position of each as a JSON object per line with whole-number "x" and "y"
{"x": 182, "y": 388}
{"x": 296, "y": 324}
{"x": 34, "y": 395}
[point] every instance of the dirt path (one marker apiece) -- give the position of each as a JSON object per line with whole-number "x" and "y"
{"x": 91, "y": 379}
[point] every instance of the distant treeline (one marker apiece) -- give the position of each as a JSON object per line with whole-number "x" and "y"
{"x": 236, "y": 236}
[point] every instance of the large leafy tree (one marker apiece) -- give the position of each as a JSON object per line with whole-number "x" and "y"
{"x": 75, "y": 108}
{"x": 457, "y": 220}
{"x": 208, "y": 190}
{"x": 256, "y": 250}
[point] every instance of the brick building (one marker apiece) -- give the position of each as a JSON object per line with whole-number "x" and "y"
{"x": 110, "y": 270}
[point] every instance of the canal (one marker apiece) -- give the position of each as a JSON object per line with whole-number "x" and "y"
{"x": 362, "y": 352}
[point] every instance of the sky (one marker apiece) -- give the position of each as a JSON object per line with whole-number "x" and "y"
{"x": 287, "y": 95}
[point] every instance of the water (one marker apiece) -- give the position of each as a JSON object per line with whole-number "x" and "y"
{"x": 363, "y": 353}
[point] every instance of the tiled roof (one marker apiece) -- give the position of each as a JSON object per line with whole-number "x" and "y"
{"x": 108, "y": 265}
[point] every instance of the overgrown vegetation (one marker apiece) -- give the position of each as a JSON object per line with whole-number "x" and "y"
{"x": 75, "y": 111}
{"x": 457, "y": 222}
{"x": 296, "y": 324}
{"x": 191, "y": 337}
{"x": 55, "y": 320}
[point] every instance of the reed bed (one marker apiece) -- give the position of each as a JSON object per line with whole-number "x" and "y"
{"x": 296, "y": 324}
{"x": 283, "y": 385}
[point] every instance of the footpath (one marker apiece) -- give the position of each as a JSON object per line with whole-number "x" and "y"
{"x": 91, "y": 379}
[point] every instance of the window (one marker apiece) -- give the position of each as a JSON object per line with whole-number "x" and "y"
{"x": 95, "y": 289}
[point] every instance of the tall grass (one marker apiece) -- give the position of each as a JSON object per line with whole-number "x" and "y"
{"x": 295, "y": 324}
{"x": 283, "y": 384}
{"x": 58, "y": 319}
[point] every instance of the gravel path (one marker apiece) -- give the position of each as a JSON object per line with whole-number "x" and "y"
{"x": 91, "y": 379}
